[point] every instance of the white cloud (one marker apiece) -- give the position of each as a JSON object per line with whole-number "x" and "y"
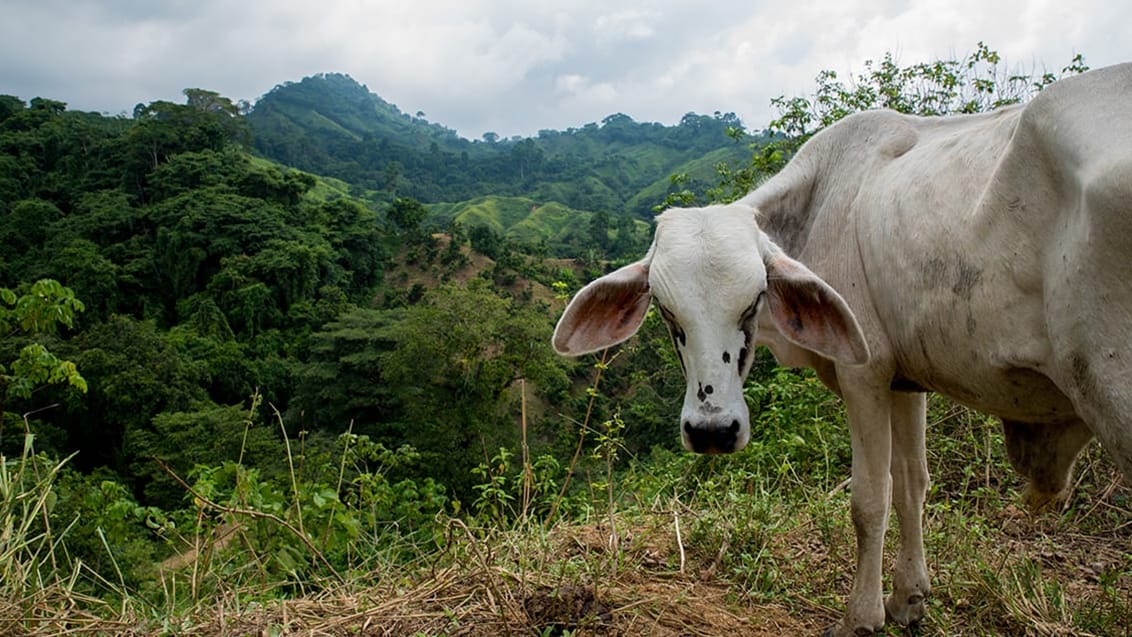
{"x": 515, "y": 66}
{"x": 633, "y": 24}
{"x": 581, "y": 92}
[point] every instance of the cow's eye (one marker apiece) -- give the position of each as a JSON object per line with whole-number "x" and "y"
{"x": 674, "y": 329}
{"x": 679, "y": 339}
{"x": 750, "y": 313}
{"x": 669, "y": 319}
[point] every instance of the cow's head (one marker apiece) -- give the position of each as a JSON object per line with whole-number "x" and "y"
{"x": 711, "y": 274}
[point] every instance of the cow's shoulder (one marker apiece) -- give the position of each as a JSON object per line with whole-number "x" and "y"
{"x": 1079, "y": 120}
{"x": 1083, "y": 96}
{"x": 825, "y": 172}
{"x": 883, "y": 133}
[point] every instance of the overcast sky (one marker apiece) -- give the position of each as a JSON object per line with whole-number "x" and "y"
{"x": 516, "y": 66}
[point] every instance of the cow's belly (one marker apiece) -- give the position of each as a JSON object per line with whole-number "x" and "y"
{"x": 1021, "y": 395}
{"x": 960, "y": 298}
{"x": 986, "y": 347}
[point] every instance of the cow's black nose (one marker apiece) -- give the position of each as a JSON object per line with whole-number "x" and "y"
{"x": 712, "y": 438}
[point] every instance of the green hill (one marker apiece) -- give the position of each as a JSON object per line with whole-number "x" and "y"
{"x": 331, "y": 125}
{"x": 525, "y": 220}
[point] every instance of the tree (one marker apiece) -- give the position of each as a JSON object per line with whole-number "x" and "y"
{"x": 450, "y": 364}
{"x": 9, "y": 106}
{"x": 91, "y": 275}
{"x": 628, "y": 242}
{"x": 528, "y": 157}
{"x": 135, "y": 372}
{"x": 25, "y": 227}
{"x": 341, "y": 383}
{"x": 599, "y": 230}
{"x": 205, "y": 435}
{"x": 975, "y": 83}
{"x": 210, "y": 102}
{"x": 355, "y": 235}
{"x": 37, "y": 312}
{"x": 486, "y": 241}
{"x": 408, "y": 215}
{"x": 162, "y": 129}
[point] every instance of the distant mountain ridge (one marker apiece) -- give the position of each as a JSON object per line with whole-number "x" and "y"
{"x": 330, "y": 124}
{"x": 338, "y": 104}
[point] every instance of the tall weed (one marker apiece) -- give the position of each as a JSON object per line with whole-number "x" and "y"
{"x": 27, "y": 542}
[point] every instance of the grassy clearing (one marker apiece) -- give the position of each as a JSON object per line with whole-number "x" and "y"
{"x": 755, "y": 544}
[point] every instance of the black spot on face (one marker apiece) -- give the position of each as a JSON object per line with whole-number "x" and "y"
{"x": 752, "y": 311}
{"x": 726, "y": 358}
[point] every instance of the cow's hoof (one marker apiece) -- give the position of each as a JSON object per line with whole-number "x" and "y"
{"x": 907, "y": 614}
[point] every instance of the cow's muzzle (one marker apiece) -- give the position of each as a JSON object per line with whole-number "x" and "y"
{"x": 713, "y": 437}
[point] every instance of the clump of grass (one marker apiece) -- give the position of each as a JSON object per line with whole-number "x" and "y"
{"x": 38, "y": 584}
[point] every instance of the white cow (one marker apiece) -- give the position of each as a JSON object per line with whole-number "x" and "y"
{"x": 985, "y": 257}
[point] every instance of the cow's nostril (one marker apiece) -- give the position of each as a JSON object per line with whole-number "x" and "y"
{"x": 734, "y": 426}
{"x": 688, "y": 426}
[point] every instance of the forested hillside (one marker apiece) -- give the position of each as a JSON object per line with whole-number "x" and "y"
{"x": 226, "y": 300}
{"x": 331, "y": 125}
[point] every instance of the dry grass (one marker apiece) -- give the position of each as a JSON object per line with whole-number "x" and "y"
{"x": 528, "y": 582}
{"x": 733, "y": 562}
{"x": 569, "y": 580}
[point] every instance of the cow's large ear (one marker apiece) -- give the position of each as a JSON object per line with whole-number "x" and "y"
{"x": 810, "y": 313}
{"x": 607, "y": 311}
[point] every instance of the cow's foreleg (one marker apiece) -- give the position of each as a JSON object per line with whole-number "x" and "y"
{"x": 869, "y": 410}
{"x": 910, "y": 581}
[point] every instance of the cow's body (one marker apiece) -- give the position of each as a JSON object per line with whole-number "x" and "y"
{"x": 985, "y": 257}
